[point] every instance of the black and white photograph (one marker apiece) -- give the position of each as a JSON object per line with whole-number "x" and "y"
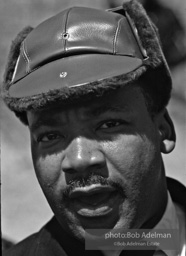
{"x": 93, "y": 127}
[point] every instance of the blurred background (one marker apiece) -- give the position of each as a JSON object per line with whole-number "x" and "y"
{"x": 23, "y": 207}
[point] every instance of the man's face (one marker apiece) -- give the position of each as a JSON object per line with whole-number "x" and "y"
{"x": 99, "y": 163}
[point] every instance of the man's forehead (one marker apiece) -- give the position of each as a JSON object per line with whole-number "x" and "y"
{"x": 121, "y": 100}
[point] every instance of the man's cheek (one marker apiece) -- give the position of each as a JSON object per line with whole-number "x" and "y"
{"x": 48, "y": 170}
{"x": 131, "y": 161}
{"x": 129, "y": 152}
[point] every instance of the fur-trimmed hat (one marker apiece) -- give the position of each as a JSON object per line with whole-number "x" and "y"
{"x": 82, "y": 52}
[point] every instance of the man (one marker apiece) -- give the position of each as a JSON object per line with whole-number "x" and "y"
{"x": 92, "y": 86}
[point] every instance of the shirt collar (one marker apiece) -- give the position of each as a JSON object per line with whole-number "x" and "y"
{"x": 169, "y": 220}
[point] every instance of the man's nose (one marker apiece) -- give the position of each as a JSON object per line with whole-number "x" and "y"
{"x": 82, "y": 154}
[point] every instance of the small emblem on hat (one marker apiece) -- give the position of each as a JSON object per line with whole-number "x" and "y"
{"x": 63, "y": 74}
{"x": 65, "y": 35}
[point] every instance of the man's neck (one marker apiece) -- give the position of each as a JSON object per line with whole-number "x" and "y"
{"x": 159, "y": 207}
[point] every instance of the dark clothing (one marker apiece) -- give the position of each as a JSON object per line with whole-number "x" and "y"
{"x": 52, "y": 240}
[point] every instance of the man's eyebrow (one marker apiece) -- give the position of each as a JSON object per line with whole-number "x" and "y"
{"x": 49, "y": 121}
{"x": 106, "y": 108}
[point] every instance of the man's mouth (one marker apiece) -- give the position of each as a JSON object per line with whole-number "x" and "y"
{"x": 94, "y": 201}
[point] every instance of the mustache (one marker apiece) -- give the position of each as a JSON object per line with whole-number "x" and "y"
{"x": 93, "y": 179}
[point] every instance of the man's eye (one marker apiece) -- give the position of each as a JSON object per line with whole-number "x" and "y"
{"x": 48, "y": 137}
{"x": 110, "y": 124}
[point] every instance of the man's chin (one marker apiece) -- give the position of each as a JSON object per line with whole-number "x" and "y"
{"x": 83, "y": 228}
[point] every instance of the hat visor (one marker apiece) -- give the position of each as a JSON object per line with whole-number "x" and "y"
{"x": 73, "y": 71}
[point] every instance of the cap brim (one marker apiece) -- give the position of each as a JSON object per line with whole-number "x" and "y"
{"x": 73, "y": 72}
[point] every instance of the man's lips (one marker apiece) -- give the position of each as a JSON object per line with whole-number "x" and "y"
{"x": 88, "y": 191}
{"x": 94, "y": 200}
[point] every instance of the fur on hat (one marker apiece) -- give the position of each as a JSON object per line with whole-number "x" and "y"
{"x": 156, "y": 62}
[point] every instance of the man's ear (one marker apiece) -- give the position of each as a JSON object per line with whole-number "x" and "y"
{"x": 166, "y": 132}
